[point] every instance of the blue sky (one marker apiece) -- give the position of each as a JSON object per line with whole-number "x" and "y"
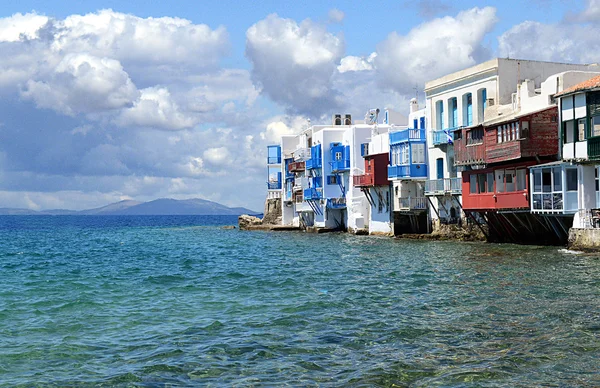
{"x": 104, "y": 100}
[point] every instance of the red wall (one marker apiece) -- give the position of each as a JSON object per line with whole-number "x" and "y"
{"x": 377, "y": 165}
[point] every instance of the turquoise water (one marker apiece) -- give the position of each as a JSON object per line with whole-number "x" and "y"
{"x": 153, "y": 301}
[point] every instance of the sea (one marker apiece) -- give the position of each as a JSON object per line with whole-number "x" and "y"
{"x": 149, "y": 301}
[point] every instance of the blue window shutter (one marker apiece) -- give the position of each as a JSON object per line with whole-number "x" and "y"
{"x": 422, "y": 123}
{"x": 415, "y": 122}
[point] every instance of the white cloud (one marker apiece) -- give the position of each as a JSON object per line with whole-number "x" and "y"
{"x": 218, "y": 155}
{"x": 435, "y": 48}
{"x": 561, "y": 42}
{"x": 81, "y": 83}
{"x": 352, "y": 63}
{"x": 156, "y": 109}
{"x": 294, "y": 63}
{"x": 336, "y": 16}
{"x": 20, "y": 27}
{"x": 590, "y": 14}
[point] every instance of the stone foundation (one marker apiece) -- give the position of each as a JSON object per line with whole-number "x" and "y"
{"x": 272, "y": 215}
{"x": 463, "y": 232}
{"x": 585, "y": 239}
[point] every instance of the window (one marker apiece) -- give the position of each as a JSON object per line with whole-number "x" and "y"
{"x": 475, "y": 136}
{"x": 499, "y": 181}
{"x": 404, "y": 157}
{"x": 547, "y": 189}
{"x": 581, "y": 130}
{"x": 509, "y": 176}
{"x": 521, "y": 179}
{"x": 595, "y": 124}
{"x": 490, "y": 182}
{"x": 332, "y": 180}
{"x": 525, "y": 129}
{"x": 569, "y": 131}
{"x": 468, "y": 109}
{"x": 457, "y": 134}
{"x": 499, "y": 133}
{"x": 453, "y": 108}
{"x": 473, "y": 183}
{"x": 481, "y": 179}
{"x": 418, "y": 153}
{"x": 338, "y": 156}
{"x": 440, "y": 114}
{"x": 415, "y": 123}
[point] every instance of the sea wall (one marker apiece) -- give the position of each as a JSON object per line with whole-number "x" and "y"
{"x": 586, "y": 239}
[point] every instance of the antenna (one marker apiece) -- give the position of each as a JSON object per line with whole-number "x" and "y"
{"x": 416, "y": 89}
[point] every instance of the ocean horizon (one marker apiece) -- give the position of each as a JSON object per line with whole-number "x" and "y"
{"x": 181, "y": 301}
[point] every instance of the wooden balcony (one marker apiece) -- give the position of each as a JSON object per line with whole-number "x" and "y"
{"x": 468, "y": 155}
{"x": 365, "y": 180}
{"x": 296, "y": 167}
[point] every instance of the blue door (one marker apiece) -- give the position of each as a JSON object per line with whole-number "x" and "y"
{"x": 440, "y": 168}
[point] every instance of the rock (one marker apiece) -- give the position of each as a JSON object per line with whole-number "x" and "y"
{"x": 272, "y": 213}
{"x": 244, "y": 221}
{"x": 228, "y": 227}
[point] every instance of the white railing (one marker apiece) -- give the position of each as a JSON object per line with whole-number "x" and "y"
{"x": 412, "y": 203}
{"x": 588, "y": 218}
{"x": 301, "y": 154}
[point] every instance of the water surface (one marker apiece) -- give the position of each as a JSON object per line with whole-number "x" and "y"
{"x": 147, "y": 301}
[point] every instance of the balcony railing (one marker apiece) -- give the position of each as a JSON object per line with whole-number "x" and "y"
{"x": 340, "y": 165}
{"x": 405, "y": 135}
{"x": 593, "y": 148}
{"x": 296, "y": 167}
{"x": 443, "y": 136}
{"x": 274, "y": 185}
{"x": 363, "y": 180}
{"x": 301, "y": 154}
{"x": 412, "y": 203}
{"x": 313, "y": 194}
{"x": 407, "y": 171}
{"x": 311, "y": 164}
{"x": 336, "y": 203}
{"x": 443, "y": 186}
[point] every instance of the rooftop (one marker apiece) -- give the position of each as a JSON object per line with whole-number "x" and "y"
{"x": 590, "y": 84}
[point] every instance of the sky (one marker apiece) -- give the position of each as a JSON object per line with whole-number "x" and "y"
{"x": 102, "y": 101}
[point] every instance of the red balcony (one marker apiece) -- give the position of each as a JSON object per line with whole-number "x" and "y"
{"x": 296, "y": 166}
{"x": 365, "y": 180}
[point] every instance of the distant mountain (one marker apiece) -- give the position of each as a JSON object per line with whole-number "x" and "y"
{"x": 112, "y": 208}
{"x": 166, "y": 206}
{"x": 163, "y": 206}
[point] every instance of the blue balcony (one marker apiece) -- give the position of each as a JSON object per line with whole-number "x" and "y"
{"x": 340, "y": 156}
{"x": 444, "y": 136}
{"x": 273, "y": 154}
{"x": 336, "y": 203}
{"x": 405, "y": 135}
{"x": 313, "y": 194}
{"x": 274, "y": 185}
{"x": 316, "y": 158}
{"x": 407, "y": 171}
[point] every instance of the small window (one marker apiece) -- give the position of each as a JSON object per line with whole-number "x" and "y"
{"x": 332, "y": 180}
{"x": 537, "y": 181}
{"x": 338, "y": 156}
{"x": 521, "y": 179}
{"x": 481, "y": 179}
{"x": 557, "y": 176}
{"x": 547, "y": 180}
{"x": 499, "y": 134}
{"x": 490, "y": 182}
{"x": 509, "y": 175}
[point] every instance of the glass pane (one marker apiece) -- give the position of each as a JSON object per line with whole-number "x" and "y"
{"x": 509, "y": 176}
{"x": 537, "y": 201}
{"x": 596, "y": 126}
{"x": 546, "y": 180}
{"x": 557, "y": 175}
{"x": 537, "y": 181}
{"x": 490, "y": 182}
{"x": 473, "y": 183}
{"x": 571, "y": 179}
{"x": 581, "y": 129}
{"x": 499, "y": 181}
{"x": 499, "y": 134}
{"x": 569, "y": 130}
{"x": 481, "y": 178}
{"x": 557, "y": 202}
{"x": 521, "y": 179}
{"x": 547, "y": 201}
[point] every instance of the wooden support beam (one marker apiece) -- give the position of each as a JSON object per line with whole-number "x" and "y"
{"x": 472, "y": 217}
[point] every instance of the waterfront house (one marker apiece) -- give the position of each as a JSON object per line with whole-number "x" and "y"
{"x": 458, "y": 101}
{"x": 570, "y": 187}
{"x": 407, "y": 172}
